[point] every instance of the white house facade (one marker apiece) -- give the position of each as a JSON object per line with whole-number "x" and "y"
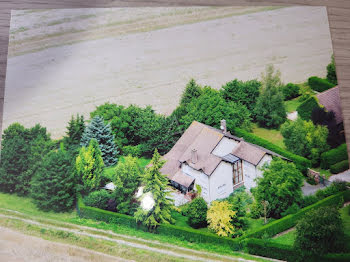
{"x": 215, "y": 160}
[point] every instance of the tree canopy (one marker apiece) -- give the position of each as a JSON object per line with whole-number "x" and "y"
{"x": 270, "y": 110}
{"x": 53, "y": 185}
{"x": 220, "y": 215}
{"x": 306, "y": 139}
{"x": 126, "y": 179}
{"x": 22, "y": 149}
{"x": 96, "y": 129}
{"x": 209, "y": 108}
{"x": 245, "y": 93}
{"x": 280, "y": 186}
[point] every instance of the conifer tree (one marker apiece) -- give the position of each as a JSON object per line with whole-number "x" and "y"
{"x": 156, "y": 183}
{"x": 75, "y": 130}
{"x": 89, "y": 166}
{"x": 53, "y": 185}
{"x": 102, "y": 133}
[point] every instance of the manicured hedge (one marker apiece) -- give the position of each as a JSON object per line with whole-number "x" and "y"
{"x": 305, "y": 108}
{"x": 268, "y": 248}
{"x": 290, "y": 91}
{"x": 319, "y": 84}
{"x": 339, "y": 167}
{"x": 334, "y": 156}
{"x": 188, "y": 234}
{"x": 301, "y": 162}
{"x": 289, "y": 221}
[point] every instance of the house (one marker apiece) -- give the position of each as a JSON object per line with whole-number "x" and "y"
{"x": 215, "y": 160}
{"x": 330, "y": 99}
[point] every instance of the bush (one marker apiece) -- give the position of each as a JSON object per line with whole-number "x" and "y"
{"x": 301, "y": 163}
{"x": 334, "y": 156}
{"x": 339, "y": 167}
{"x": 134, "y": 151}
{"x": 98, "y": 199}
{"x": 290, "y": 91}
{"x": 334, "y": 188}
{"x": 319, "y": 84}
{"x": 331, "y": 73}
{"x": 197, "y": 213}
{"x": 305, "y": 109}
{"x": 291, "y": 210}
{"x": 319, "y": 232}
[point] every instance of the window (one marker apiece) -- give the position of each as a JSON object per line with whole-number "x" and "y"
{"x": 237, "y": 172}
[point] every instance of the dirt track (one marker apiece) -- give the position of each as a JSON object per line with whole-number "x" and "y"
{"x": 152, "y": 65}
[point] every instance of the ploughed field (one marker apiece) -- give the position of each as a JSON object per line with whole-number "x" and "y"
{"x": 63, "y": 62}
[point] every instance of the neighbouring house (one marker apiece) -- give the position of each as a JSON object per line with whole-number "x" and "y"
{"x": 215, "y": 160}
{"x": 330, "y": 99}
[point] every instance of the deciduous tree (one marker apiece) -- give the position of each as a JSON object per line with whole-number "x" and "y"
{"x": 280, "y": 185}
{"x": 127, "y": 179}
{"x": 220, "y": 215}
{"x": 270, "y": 110}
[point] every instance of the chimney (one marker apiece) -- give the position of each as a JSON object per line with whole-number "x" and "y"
{"x": 223, "y": 126}
{"x": 194, "y": 156}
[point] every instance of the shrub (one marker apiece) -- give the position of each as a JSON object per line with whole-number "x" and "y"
{"x": 319, "y": 84}
{"x": 197, "y": 213}
{"x": 339, "y": 167}
{"x": 305, "y": 108}
{"x": 334, "y": 156}
{"x": 290, "y": 91}
{"x": 291, "y": 210}
{"x": 301, "y": 162}
{"x": 334, "y": 188}
{"x": 134, "y": 151}
{"x": 319, "y": 232}
{"x": 308, "y": 200}
{"x": 98, "y": 199}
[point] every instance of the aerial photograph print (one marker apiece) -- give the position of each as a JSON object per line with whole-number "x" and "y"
{"x": 173, "y": 134}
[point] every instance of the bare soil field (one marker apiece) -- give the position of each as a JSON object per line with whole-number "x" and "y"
{"x": 18, "y": 247}
{"x": 65, "y": 62}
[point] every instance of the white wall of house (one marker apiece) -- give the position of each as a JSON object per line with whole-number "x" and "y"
{"x": 221, "y": 181}
{"x": 251, "y": 172}
{"x": 266, "y": 159}
{"x": 224, "y": 147}
{"x": 201, "y": 179}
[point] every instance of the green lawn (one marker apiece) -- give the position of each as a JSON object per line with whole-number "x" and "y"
{"x": 143, "y": 162}
{"x": 287, "y": 239}
{"x": 272, "y": 135}
{"x": 291, "y": 105}
{"x": 26, "y": 206}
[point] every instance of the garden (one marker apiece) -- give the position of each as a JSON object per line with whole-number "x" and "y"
{"x": 108, "y": 168}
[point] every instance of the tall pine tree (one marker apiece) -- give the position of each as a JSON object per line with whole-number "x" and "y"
{"x": 156, "y": 183}
{"x": 102, "y": 133}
